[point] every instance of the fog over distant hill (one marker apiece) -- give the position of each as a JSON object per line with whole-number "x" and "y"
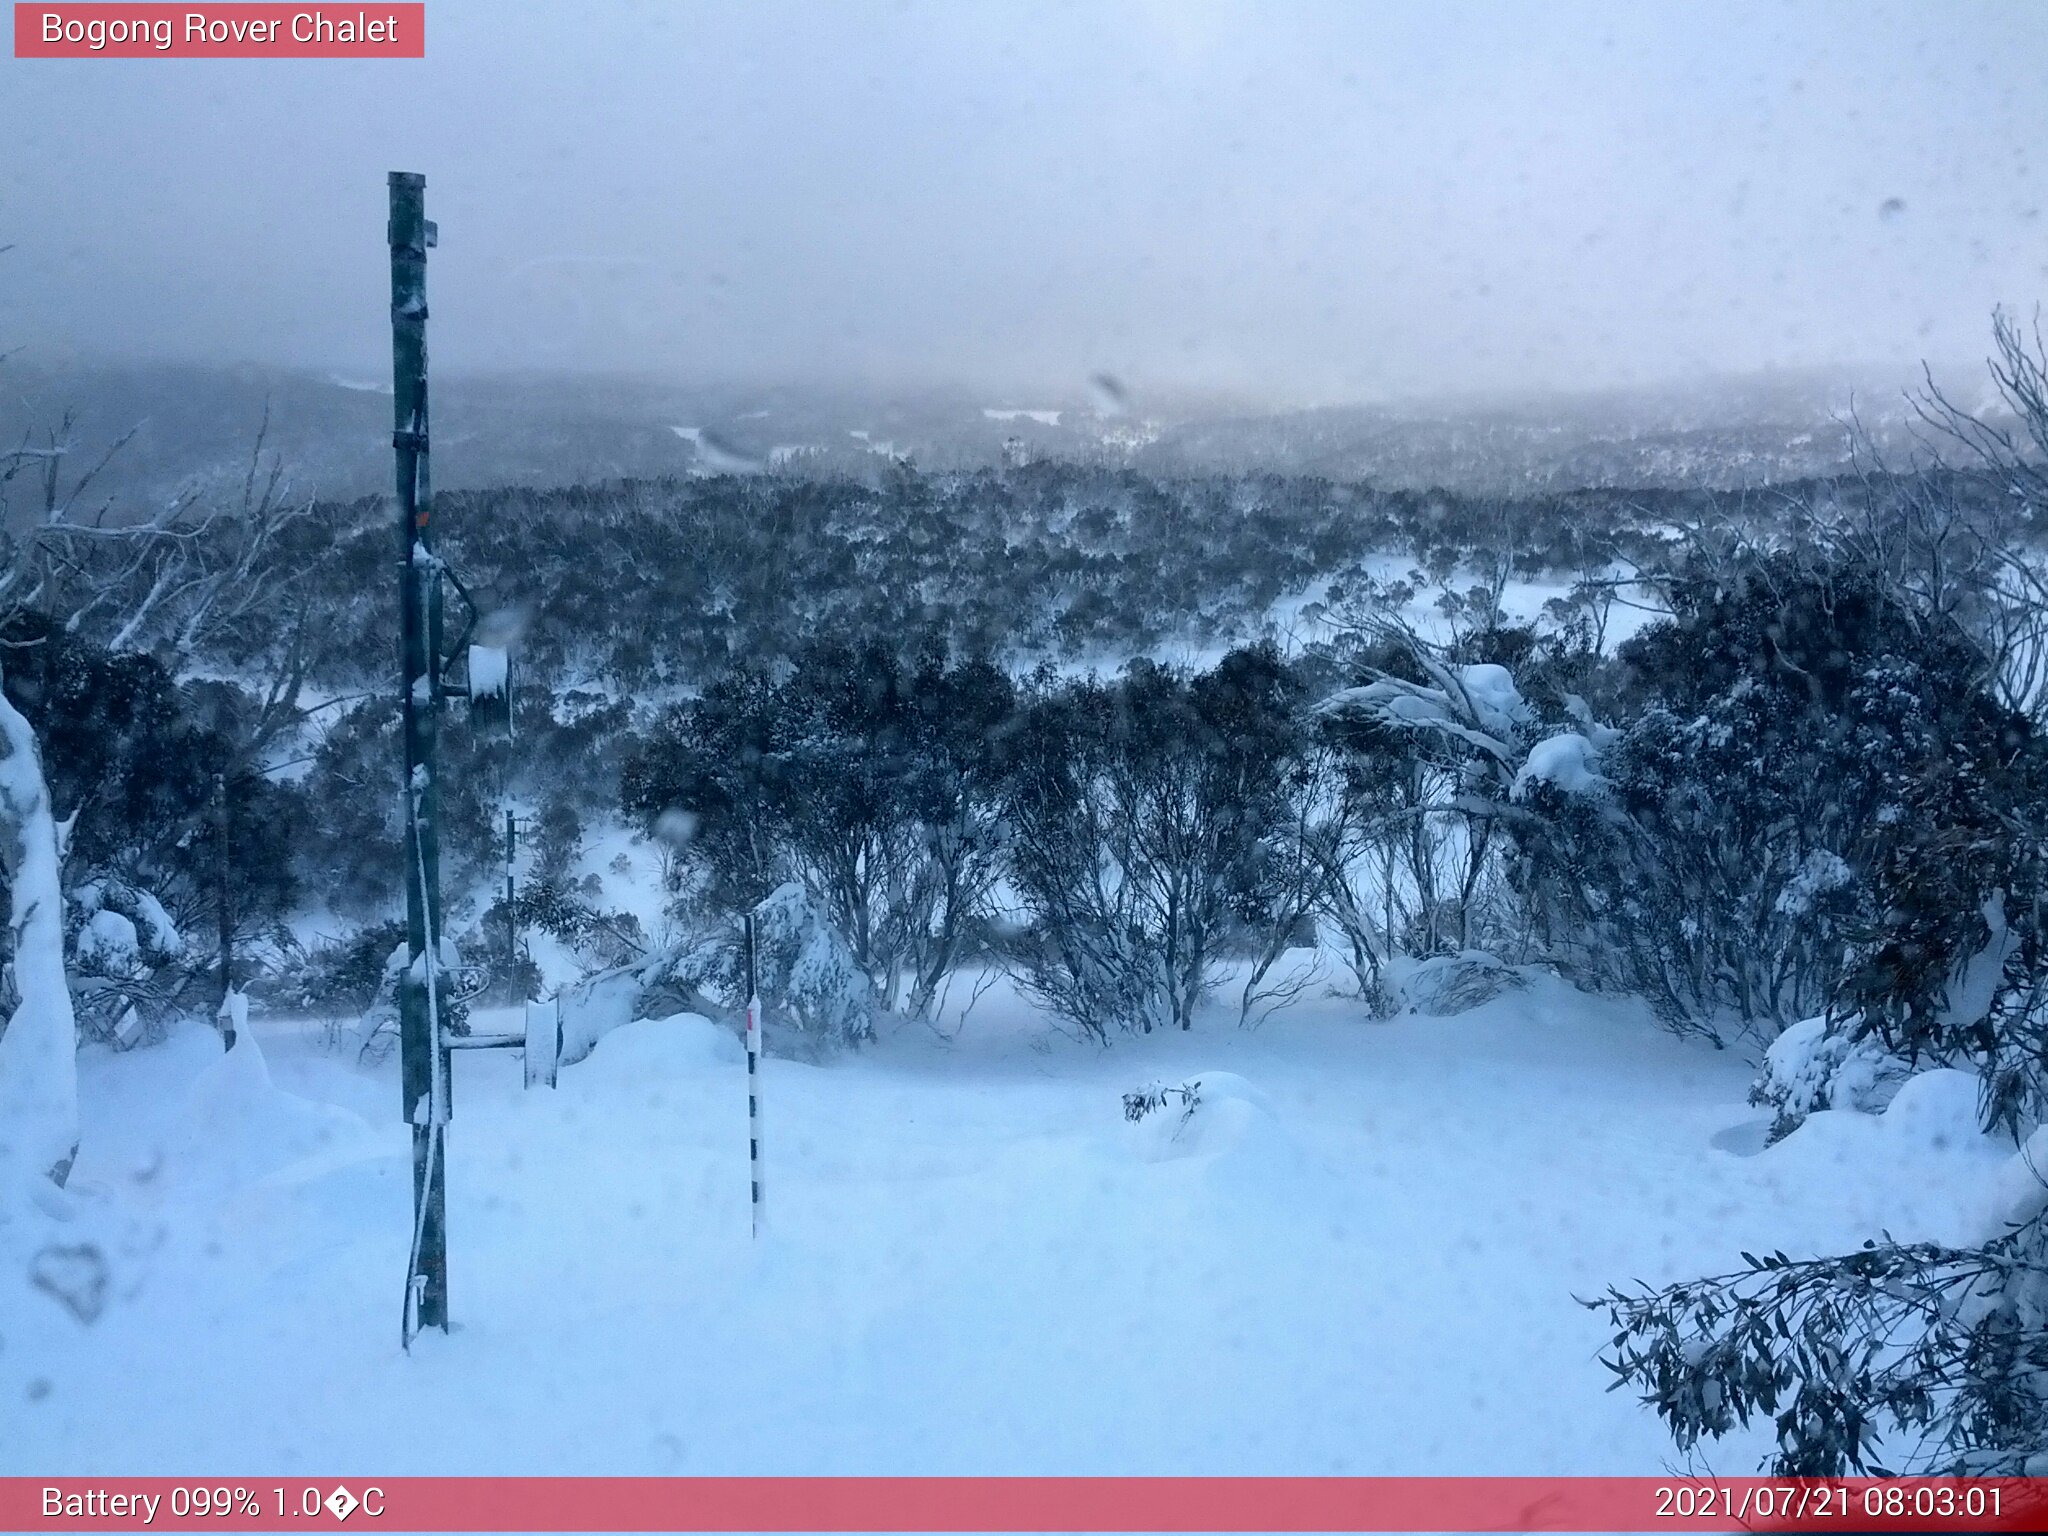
{"x": 191, "y": 429}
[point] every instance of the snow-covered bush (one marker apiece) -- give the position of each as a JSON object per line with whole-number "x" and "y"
{"x": 600, "y": 938}
{"x": 350, "y": 852}
{"x": 123, "y": 946}
{"x": 1183, "y": 1099}
{"x": 1447, "y": 984}
{"x": 808, "y": 972}
{"x": 1141, "y": 818}
{"x": 339, "y": 976}
{"x": 1894, "y": 682}
{"x": 1419, "y": 822}
{"x": 512, "y": 980}
{"x": 1803, "y": 808}
{"x": 1225, "y": 1132}
{"x": 376, "y": 1031}
{"x": 356, "y": 982}
{"x": 167, "y": 823}
{"x": 866, "y": 774}
{"x": 1943, "y": 1349}
{"x": 1826, "y": 1063}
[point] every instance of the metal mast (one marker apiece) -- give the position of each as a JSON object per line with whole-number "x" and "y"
{"x": 423, "y": 1050}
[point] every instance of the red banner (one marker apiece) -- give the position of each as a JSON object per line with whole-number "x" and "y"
{"x": 1024, "y": 1504}
{"x": 371, "y": 30}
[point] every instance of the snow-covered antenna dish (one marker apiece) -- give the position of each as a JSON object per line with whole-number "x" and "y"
{"x": 490, "y": 690}
{"x": 490, "y": 669}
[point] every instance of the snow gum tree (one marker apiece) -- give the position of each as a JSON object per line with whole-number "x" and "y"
{"x": 868, "y": 776}
{"x": 1430, "y": 748}
{"x": 69, "y": 566}
{"x": 1144, "y": 820}
{"x": 1800, "y": 809}
{"x": 1911, "y": 671}
{"x": 38, "y": 1050}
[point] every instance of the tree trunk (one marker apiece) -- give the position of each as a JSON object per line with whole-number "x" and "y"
{"x": 39, "y": 1046}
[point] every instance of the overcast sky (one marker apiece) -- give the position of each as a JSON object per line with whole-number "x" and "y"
{"x": 1303, "y": 201}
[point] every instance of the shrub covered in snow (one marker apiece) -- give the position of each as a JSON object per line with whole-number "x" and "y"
{"x": 808, "y": 972}
{"x": 125, "y": 977}
{"x": 132, "y": 755}
{"x": 1227, "y": 1133}
{"x": 1447, "y": 984}
{"x": 1433, "y": 754}
{"x": 1826, "y": 1063}
{"x": 1863, "y": 718}
{"x": 865, "y": 774}
{"x": 1141, "y": 819}
{"x": 343, "y": 975}
{"x": 1802, "y": 808}
{"x": 1182, "y": 1099}
{"x": 597, "y": 936}
{"x": 1897, "y": 1358}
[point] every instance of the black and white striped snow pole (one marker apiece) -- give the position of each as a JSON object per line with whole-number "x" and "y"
{"x": 753, "y": 1077}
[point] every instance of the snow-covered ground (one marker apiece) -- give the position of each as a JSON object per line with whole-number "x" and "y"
{"x": 1360, "y": 1256}
{"x": 1305, "y": 617}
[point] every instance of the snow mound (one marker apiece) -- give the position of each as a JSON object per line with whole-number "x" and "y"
{"x": 1447, "y": 984}
{"x": 1936, "y": 1110}
{"x": 2022, "y": 1187}
{"x": 237, "y": 1127}
{"x": 1223, "y": 1126}
{"x": 1933, "y": 1111}
{"x": 1927, "y": 1140}
{"x": 682, "y": 1045}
